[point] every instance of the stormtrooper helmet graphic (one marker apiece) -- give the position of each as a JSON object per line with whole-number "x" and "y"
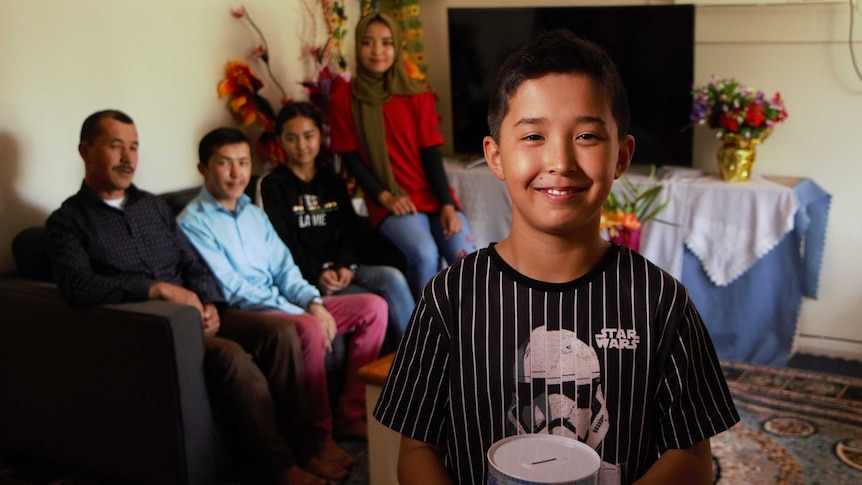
{"x": 559, "y": 389}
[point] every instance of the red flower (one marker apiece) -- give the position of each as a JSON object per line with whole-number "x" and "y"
{"x": 729, "y": 122}
{"x": 778, "y": 105}
{"x": 239, "y": 78}
{"x": 777, "y": 99}
{"x": 630, "y": 221}
{"x": 241, "y": 85}
{"x": 243, "y": 108}
{"x": 755, "y": 115}
{"x": 270, "y": 149}
{"x": 323, "y": 86}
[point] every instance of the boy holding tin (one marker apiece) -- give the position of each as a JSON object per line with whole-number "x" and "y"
{"x": 554, "y": 329}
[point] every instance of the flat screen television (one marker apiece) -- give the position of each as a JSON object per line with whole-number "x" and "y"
{"x": 653, "y": 46}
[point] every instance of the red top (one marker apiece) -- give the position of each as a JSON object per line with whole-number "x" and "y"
{"x": 411, "y": 123}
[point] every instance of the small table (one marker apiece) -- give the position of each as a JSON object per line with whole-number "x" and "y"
{"x": 383, "y": 443}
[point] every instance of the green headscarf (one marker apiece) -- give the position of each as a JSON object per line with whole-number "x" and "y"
{"x": 370, "y": 91}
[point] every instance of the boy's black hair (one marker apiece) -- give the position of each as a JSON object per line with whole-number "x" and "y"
{"x": 558, "y": 51}
{"x": 299, "y": 108}
{"x": 90, "y": 128}
{"x": 218, "y": 138}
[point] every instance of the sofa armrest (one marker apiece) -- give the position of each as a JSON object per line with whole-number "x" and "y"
{"x": 117, "y": 390}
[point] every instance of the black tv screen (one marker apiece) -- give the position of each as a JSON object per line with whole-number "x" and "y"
{"x": 653, "y": 47}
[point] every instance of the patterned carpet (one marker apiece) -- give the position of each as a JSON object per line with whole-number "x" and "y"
{"x": 798, "y": 427}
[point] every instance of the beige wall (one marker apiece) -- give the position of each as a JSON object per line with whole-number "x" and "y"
{"x": 160, "y": 61}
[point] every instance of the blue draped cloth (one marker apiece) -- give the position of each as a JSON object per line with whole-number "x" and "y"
{"x": 754, "y": 318}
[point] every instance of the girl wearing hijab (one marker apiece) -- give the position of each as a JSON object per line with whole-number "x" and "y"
{"x": 386, "y": 129}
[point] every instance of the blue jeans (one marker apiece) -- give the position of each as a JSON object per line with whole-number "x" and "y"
{"x": 420, "y": 239}
{"x": 391, "y": 284}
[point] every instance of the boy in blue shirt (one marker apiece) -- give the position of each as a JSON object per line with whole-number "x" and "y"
{"x": 256, "y": 271}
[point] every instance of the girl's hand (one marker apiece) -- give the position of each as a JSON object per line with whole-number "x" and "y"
{"x": 330, "y": 282}
{"x": 450, "y": 221}
{"x": 397, "y": 204}
{"x": 345, "y": 276}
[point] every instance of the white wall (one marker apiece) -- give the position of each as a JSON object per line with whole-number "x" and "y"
{"x": 160, "y": 61}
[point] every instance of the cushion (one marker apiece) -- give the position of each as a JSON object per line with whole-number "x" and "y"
{"x": 178, "y": 199}
{"x": 30, "y": 254}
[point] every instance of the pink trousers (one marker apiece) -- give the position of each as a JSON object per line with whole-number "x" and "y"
{"x": 365, "y": 315}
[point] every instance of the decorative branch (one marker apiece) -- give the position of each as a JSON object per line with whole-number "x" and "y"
{"x": 262, "y": 51}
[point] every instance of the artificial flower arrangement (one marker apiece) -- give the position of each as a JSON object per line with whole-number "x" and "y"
{"x": 624, "y": 213}
{"x": 242, "y": 86}
{"x": 734, "y": 109}
{"x": 406, "y": 13}
{"x": 249, "y": 108}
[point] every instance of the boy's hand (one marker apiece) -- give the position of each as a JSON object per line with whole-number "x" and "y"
{"x": 327, "y": 324}
{"x": 397, "y": 204}
{"x": 450, "y": 221}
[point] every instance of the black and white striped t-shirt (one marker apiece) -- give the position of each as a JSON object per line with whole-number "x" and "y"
{"x": 618, "y": 358}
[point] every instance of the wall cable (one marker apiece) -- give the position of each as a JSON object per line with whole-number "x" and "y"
{"x": 850, "y": 40}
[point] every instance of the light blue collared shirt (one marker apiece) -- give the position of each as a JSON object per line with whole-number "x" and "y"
{"x": 254, "y": 268}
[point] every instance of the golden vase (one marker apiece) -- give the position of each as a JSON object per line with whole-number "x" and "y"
{"x": 736, "y": 156}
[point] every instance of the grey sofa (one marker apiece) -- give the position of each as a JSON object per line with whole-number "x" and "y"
{"x": 114, "y": 390}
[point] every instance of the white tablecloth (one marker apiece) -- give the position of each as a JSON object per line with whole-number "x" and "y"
{"x": 727, "y": 226}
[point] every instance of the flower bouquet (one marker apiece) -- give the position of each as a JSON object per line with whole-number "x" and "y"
{"x": 735, "y": 109}
{"x": 742, "y": 117}
{"x": 625, "y": 212}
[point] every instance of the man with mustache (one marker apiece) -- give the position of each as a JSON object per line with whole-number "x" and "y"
{"x": 93, "y": 251}
{"x": 114, "y": 243}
